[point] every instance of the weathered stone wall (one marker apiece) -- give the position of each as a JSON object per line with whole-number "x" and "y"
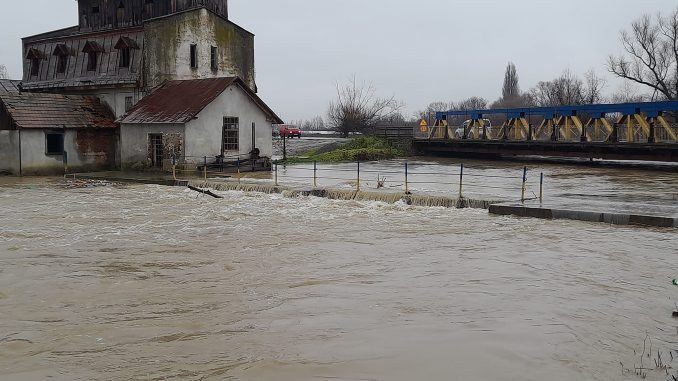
{"x": 135, "y": 145}
{"x": 168, "y": 45}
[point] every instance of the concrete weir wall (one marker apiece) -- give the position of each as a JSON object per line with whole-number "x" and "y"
{"x": 584, "y": 215}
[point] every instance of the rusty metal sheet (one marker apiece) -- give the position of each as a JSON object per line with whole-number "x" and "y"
{"x": 181, "y": 101}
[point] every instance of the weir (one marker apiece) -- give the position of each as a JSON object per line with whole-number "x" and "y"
{"x": 348, "y": 194}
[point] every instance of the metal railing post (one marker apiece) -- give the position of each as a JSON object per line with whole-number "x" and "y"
{"x": 315, "y": 174}
{"x": 461, "y": 180}
{"x": 276, "y": 173}
{"x": 238, "y": 164}
{"x": 407, "y": 183}
{"x": 358, "y": 179}
{"x": 204, "y": 169}
{"x": 541, "y": 187}
{"x": 174, "y": 167}
{"x": 522, "y": 193}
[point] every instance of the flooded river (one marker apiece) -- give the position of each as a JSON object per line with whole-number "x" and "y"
{"x": 143, "y": 282}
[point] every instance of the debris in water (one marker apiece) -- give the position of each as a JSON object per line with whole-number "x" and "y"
{"x": 204, "y": 191}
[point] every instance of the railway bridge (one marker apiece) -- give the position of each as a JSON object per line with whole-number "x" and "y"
{"x": 644, "y": 131}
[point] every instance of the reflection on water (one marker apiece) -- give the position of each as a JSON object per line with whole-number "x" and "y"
{"x": 156, "y": 283}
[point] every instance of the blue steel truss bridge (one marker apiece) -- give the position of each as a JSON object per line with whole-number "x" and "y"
{"x": 646, "y": 131}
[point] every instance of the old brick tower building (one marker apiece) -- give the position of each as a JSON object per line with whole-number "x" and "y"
{"x": 122, "y": 49}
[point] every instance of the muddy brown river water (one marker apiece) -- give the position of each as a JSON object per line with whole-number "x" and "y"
{"x": 143, "y": 282}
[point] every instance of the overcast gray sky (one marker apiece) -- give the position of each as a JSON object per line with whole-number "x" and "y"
{"x": 420, "y": 51}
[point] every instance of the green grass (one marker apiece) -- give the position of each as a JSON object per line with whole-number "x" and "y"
{"x": 359, "y": 149}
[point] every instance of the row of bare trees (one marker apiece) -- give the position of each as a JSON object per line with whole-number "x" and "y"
{"x": 649, "y": 61}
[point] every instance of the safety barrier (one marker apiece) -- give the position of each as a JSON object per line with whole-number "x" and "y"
{"x": 460, "y": 183}
{"x": 214, "y": 166}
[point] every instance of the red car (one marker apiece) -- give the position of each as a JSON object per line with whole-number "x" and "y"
{"x": 289, "y": 132}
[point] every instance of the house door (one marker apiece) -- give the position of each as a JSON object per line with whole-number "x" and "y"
{"x": 156, "y": 148}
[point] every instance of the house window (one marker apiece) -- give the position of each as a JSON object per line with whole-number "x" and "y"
{"x": 125, "y": 55}
{"x": 213, "y": 58}
{"x": 194, "y": 56}
{"x": 129, "y": 102}
{"x": 231, "y": 134}
{"x": 54, "y": 143}
{"x": 35, "y": 66}
{"x": 62, "y": 63}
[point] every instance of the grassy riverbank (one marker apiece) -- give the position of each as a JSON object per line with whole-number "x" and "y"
{"x": 359, "y": 149}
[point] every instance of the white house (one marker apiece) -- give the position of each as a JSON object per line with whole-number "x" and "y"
{"x": 193, "y": 119}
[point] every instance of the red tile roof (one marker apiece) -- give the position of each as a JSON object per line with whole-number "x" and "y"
{"x": 36, "y": 110}
{"x": 181, "y": 101}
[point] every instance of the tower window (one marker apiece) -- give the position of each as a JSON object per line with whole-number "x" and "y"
{"x": 34, "y": 56}
{"x": 194, "y": 56}
{"x": 35, "y": 66}
{"x": 92, "y": 61}
{"x": 121, "y": 11}
{"x": 125, "y": 55}
{"x": 214, "y": 58}
{"x": 62, "y": 62}
{"x": 62, "y": 52}
{"x": 129, "y": 102}
{"x": 92, "y": 48}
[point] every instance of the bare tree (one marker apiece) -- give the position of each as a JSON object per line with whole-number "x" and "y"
{"x": 651, "y": 57}
{"x": 3, "y": 72}
{"x": 357, "y": 108}
{"x": 628, "y": 93}
{"x": 567, "y": 89}
{"x": 473, "y": 103}
{"x": 318, "y": 123}
{"x": 434, "y": 107}
{"x": 511, "y": 89}
{"x": 593, "y": 87}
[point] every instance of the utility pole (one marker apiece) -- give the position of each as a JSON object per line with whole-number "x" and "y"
{"x": 284, "y": 138}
